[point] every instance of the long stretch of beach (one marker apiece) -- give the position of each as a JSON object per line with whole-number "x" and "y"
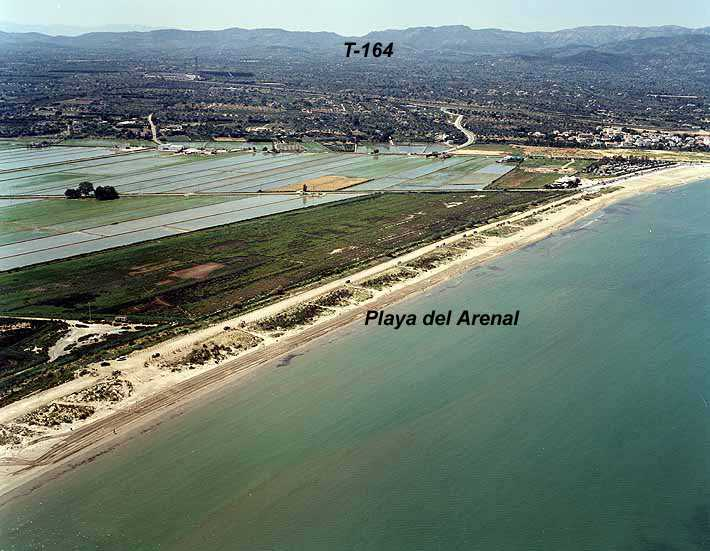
{"x": 158, "y": 393}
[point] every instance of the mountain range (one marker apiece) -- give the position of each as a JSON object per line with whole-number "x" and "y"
{"x": 67, "y": 30}
{"x": 447, "y": 40}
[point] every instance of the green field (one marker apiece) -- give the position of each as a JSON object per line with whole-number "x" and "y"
{"x": 105, "y": 142}
{"x": 46, "y": 217}
{"x": 535, "y": 172}
{"x": 490, "y": 147}
{"x": 545, "y": 162}
{"x": 471, "y": 165}
{"x": 462, "y": 173}
{"x": 519, "y": 178}
{"x": 385, "y": 166}
{"x": 314, "y": 147}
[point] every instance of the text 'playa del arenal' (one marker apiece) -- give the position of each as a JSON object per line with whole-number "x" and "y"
{"x": 434, "y": 318}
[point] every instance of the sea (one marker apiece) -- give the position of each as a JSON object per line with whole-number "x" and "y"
{"x": 584, "y": 427}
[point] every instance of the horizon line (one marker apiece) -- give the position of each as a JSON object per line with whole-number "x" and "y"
{"x": 148, "y": 29}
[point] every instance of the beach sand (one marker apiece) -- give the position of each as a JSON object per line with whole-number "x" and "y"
{"x": 159, "y": 393}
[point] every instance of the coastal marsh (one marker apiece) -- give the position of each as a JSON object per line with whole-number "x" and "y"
{"x": 259, "y": 259}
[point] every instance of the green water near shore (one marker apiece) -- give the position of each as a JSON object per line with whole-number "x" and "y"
{"x": 586, "y": 427}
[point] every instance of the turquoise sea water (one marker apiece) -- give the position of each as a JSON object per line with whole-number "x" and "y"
{"x": 587, "y": 427}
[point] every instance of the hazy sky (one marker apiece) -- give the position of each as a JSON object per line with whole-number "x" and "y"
{"x": 357, "y": 16}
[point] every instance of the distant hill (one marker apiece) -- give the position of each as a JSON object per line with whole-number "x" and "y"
{"x": 606, "y": 41}
{"x": 174, "y": 40}
{"x": 67, "y": 30}
{"x": 495, "y": 41}
{"x": 686, "y": 44}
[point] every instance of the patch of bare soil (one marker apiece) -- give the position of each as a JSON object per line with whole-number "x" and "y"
{"x": 200, "y": 271}
{"x": 148, "y": 268}
{"x": 549, "y": 170}
{"x": 83, "y": 334}
{"x": 467, "y": 151}
{"x": 324, "y": 183}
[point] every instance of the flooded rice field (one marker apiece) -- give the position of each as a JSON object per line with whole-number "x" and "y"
{"x": 165, "y": 194}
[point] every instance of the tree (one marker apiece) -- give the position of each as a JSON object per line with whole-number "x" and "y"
{"x": 105, "y": 193}
{"x": 86, "y": 188}
{"x": 72, "y": 194}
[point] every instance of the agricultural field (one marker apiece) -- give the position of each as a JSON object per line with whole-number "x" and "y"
{"x": 324, "y": 183}
{"x": 487, "y": 149}
{"x": 387, "y": 149}
{"x": 536, "y": 172}
{"x": 36, "y": 218}
{"x": 164, "y": 194}
{"x": 229, "y": 269}
{"x": 15, "y": 156}
{"x": 452, "y": 174}
{"x": 458, "y": 174}
{"x": 68, "y": 235}
{"x": 153, "y": 172}
{"x": 106, "y": 142}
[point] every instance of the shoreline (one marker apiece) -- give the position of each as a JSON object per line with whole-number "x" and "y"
{"x": 24, "y": 470}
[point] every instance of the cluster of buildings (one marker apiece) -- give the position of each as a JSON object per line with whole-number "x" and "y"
{"x": 626, "y": 138}
{"x": 511, "y": 159}
{"x": 172, "y": 76}
{"x": 185, "y": 150}
{"x": 566, "y": 182}
{"x": 652, "y": 139}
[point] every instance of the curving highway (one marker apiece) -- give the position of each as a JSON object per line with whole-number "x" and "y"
{"x": 470, "y": 136}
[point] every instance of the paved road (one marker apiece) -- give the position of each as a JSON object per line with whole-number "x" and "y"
{"x": 153, "y": 129}
{"x": 470, "y": 136}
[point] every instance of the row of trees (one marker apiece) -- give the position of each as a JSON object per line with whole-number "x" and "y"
{"x": 86, "y": 189}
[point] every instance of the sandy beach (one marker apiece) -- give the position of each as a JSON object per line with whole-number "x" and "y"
{"x": 159, "y": 392}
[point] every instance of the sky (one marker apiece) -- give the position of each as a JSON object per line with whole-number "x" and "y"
{"x": 354, "y": 17}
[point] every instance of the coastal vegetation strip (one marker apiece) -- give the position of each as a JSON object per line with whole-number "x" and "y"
{"x": 502, "y": 230}
{"x": 389, "y": 278}
{"x": 180, "y": 283}
{"x": 294, "y": 320}
{"x": 343, "y": 296}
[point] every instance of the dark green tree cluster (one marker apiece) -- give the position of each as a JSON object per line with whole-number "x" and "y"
{"x": 86, "y": 189}
{"x": 105, "y": 193}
